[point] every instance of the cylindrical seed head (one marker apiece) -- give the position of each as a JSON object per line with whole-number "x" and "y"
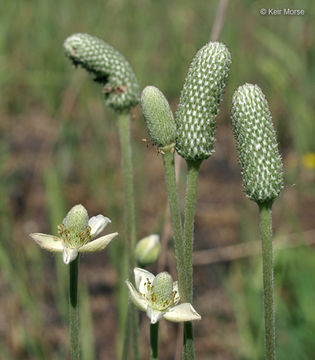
{"x": 199, "y": 102}
{"x": 255, "y": 136}
{"x": 158, "y": 116}
{"x": 108, "y": 66}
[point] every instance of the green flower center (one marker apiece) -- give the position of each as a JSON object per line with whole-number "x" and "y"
{"x": 74, "y": 230}
{"x": 160, "y": 293}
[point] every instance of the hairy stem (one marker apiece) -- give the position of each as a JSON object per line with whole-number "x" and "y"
{"x": 169, "y": 165}
{"x": 154, "y": 339}
{"x": 130, "y": 221}
{"x": 189, "y": 349}
{"x": 74, "y": 310}
{"x": 265, "y": 216}
{"x": 190, "y": 204}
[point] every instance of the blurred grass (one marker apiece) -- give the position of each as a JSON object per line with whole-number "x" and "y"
{"x": 59, "y": 146}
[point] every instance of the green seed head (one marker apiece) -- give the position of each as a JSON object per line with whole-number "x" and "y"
{"x": 148, "y": 250}
{"x": 108, "y": 66}
{"x": 158, "y": 116}
{"x": 162, "y": 295}
{"x": 255, "y": 136}
{"x": 75, "y": 230}
{"x": 199, "y": 102}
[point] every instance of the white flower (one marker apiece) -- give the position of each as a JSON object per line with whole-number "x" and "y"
{"x": 158, "y": 296}
{"x": 75, "y": 234}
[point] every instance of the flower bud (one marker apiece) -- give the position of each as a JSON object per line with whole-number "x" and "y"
{"x": 255, "y": 136}
{"x": 199, "y": 102}
{"x": 148, "y": 250}
{"x": 158, "y": 116}
{"x": 109, "y": 67}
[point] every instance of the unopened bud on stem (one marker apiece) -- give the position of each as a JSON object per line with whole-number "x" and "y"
{"x": 158, "y": 116}
{"x": 148, "y": 250}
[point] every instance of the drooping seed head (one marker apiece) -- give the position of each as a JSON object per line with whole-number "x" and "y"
{"x": 255, "y": 136}
{"x": 158, "y": 116}
{"x": 108, "y": 66}
{"x": 74, "y": 229}
{"x": 199, "y": 103}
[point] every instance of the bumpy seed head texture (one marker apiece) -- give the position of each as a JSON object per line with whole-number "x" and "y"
{"x": 162, "y": 289}
{"x": 108, "y": 66}
{"x": 259, "y": 157}
{"x": 199, "y": 102}
{"x": 158, "y": 116}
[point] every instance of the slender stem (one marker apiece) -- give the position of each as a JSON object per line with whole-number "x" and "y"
{"x": 126, "y": 340}
{"x": 130, "y": 219}
{"x": 265, "y": 215}
{"x": 169, "y": 165}
{"x": 189, "y": 349}
{"x": 190, "y": 204}
{"x": 74, "y": 309}
{"x": 154, "y": 340}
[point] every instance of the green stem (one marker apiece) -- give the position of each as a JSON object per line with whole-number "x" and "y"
{"x": 74, "y": 309}
{"x": 130, "y": 220}
{"x": 190, "y": 204}
{"x": 154, "y": 340}
{"x": 170, "y": 175}
{"x": 189, "y": 349}
{"x": 265, "y": 216}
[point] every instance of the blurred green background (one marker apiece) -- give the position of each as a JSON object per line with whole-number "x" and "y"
{"x": 59, "y": 146}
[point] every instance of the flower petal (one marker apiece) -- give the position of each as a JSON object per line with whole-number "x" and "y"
{"x": 154, "y": 315}
{"x": 140, "y": 302}
{"x": 69, "y": 255}
{"x": 182, "y": 312}
{"x": 175, "y": 289}
{"x": 48, "y": 242}
{"x": 97, "y": 224}
{"x": 98, "y": 244}
{"x": 141, "y": 278}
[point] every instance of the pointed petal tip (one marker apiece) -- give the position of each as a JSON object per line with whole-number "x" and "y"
{"x": 97, "y": 224}
{"x": 48, "y": 242}
{"x": 138, "y": 300}
{"x": 68, "y": 255}
{"x": 182, "y": 312}
{"x": 98, "y": 244}
{"x": 154, "y": 315}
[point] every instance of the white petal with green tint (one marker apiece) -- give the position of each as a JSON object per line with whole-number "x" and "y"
{"x": 139, "y": 301}
{"x": 154, "y": 315}
{"x": 141, "y": 279}
{"x": 175, "y": 289}
{"x": 69, "y": 255}
{"x": 98, "y": 244}
{"x": 182, "y": 312}
{"x": 97, "y": 224}
{"x": 48, "y": 242}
